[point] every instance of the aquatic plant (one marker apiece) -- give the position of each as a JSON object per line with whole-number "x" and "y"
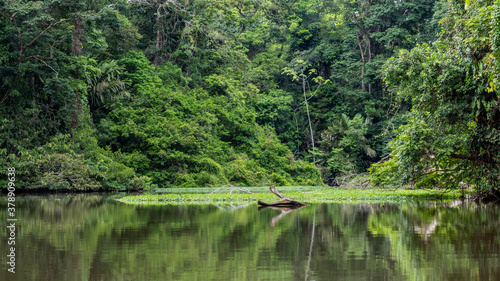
{"x": 324, "y": 195}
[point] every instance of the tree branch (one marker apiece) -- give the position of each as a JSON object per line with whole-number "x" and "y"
{"x": 41, "y": 33}
{"x": 383, "y": 159}
{"x": 250, "y": 14}
{"x": 38, "y": 58}
{"x": 273, "y": 190}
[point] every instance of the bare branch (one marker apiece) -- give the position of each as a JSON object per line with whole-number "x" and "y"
{"x": 57, "y": 73}
{"x": 273, "y": 190}
{"x": 37, "y": 57}
{"x": 240, "y": 11}
{"x": 231, "y": 188}
{"x": 284, "y": 201}
{"x": 45, "y": 30}
{"x": 312, "y": 95}
{"x": 383, "y": 159}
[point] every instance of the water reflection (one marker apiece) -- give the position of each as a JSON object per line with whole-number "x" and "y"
{"x": 97, "y": 238}
{"x": 284, "y": 210}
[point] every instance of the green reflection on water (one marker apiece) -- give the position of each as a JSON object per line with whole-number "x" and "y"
{"x": 97, "y": 238}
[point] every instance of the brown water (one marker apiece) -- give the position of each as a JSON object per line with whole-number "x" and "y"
{"x": 97, "y": 238}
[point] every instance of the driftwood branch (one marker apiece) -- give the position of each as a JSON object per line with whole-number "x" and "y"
{"x": 231, "y": 188}
{"x": 284, "y": 201}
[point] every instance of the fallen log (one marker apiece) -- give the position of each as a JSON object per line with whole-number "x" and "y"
{"x": 284, "y": 201}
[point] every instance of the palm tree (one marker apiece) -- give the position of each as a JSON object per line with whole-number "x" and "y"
{"x": 349, "y": 134}
{"x": 344, "y": 144}
{"x": 104, "y": 82}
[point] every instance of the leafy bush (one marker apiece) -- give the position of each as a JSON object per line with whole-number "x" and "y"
{"x": 69, "y": 163}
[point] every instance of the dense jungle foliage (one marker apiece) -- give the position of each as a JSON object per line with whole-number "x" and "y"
{"x": 452, "y": 136}
{"x": 117, "y": 94}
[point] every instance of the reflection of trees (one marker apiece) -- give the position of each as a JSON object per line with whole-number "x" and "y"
{"x": 430, "y": 239}
{"x": 310, "y": 247}
{"x": 93, "y": 238}
{"x": 62, "y": 232}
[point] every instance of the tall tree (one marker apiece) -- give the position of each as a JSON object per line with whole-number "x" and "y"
{"x": 302, "y": 73}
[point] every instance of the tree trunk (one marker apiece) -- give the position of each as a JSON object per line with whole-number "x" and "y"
{"x": 369, "y": 47}
{"x": 158, "y": 37}
{"x": 77, "y": 50}
{"x": 363, "y": 61}
{"x": 77, "y": 33}
{"x": 308, "y": 117}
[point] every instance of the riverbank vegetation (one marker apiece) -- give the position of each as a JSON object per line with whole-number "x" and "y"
{"x": 451, "y": 137}
{"x": 139, "y": 94}
{"x": 323, "y": 195}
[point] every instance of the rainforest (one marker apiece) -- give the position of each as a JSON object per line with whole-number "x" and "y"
{"x": 145, "y": 94}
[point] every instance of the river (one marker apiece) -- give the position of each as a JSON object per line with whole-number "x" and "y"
{"x": 93, "y": 237}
